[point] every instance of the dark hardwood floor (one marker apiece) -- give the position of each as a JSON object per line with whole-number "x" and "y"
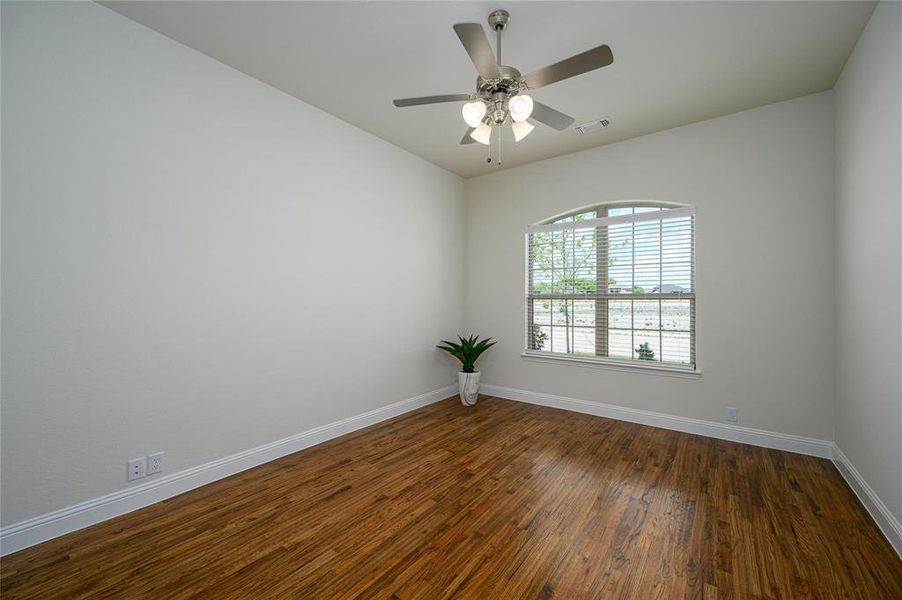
{"x": 504, "y": 500}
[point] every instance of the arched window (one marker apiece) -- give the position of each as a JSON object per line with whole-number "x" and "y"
{"x": 614, "y": 283}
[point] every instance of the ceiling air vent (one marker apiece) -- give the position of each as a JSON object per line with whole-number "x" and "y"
{"x": 593, "y": 126}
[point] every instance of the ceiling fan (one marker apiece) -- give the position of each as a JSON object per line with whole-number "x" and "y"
{"x": 500, "y": 88}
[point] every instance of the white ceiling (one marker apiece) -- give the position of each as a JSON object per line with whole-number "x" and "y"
{"x": 674, "y": 62}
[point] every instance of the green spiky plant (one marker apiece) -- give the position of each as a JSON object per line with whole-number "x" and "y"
{"x": 467, "y": 351}
{"x": 645, "y": 352}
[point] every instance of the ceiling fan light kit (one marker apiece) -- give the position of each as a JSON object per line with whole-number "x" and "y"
{"x": 473, "y": 113}
{"x": 500, "y": 89}
{"x": 520, "y": 108}
{"x": 482, "y": 134}
{"x": 521, "y": 129}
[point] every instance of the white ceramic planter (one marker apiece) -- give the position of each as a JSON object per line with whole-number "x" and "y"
{"x": 468, "y": 387}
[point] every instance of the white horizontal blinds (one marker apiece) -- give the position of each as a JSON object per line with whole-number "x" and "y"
{"x": 617, "y": 283}
{"x": 650, "y": 293}
{"x": 563, "y": 284}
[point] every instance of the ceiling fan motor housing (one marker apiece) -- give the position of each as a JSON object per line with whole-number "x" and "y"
{"x": 510, "y": 82}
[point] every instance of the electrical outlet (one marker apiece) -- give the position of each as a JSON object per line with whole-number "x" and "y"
{"x": 732, "y": 414}
{"x": 137, "y": 468}
{"x": 155, "y": 462}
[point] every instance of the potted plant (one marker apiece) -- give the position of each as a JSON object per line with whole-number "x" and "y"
{"x": 467, "y": 351}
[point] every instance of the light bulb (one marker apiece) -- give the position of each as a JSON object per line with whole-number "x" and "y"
{"x": 473, "y": 113}
{"x": 521, "y": 108}
{"x": 522, "y": 129}
{"x": 482, "y": 134}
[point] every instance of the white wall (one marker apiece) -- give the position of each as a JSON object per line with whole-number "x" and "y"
{"x": 763, "y": 186}
{"x": 868, "y": 121}
{"x": 195, "y": 262}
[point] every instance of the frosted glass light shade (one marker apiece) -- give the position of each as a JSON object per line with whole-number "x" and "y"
{"x": 482, "y": 134}
{"x": 473, "y": 113}
{"x": 521, "y": 108}
{"x": 522, "y": 129}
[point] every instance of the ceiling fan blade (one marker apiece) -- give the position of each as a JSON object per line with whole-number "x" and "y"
{"x": 570, "y": 67}
{"x": 553, "y": 118}
{"x": 430, "y": 100}
{"x": 472, "y": 36}
{"x": 466, "y": 139}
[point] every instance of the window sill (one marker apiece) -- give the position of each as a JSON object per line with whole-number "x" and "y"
{"x": 613, "y": 364}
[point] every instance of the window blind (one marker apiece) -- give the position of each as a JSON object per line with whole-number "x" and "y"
{"x": 616, "y": 282}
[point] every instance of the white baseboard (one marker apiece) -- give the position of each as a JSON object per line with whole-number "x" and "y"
{"x": 723, "y": 431}
{"x": 885, "y": 520}
{"x": 45, "y": 527}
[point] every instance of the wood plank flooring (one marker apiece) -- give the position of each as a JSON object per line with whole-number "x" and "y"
{"x": 504, "y": 500}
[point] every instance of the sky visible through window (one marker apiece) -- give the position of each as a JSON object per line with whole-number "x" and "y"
{"x": 616, "y": 318}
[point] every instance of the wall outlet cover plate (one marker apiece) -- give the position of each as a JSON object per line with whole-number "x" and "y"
{"x": 155, "y": 462}
{"x": 137, "y": 468}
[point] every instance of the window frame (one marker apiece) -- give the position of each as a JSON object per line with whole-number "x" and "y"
{"x": 601, "y": 327}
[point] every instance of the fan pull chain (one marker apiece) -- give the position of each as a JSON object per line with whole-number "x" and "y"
{"x": 498, "y": 30}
